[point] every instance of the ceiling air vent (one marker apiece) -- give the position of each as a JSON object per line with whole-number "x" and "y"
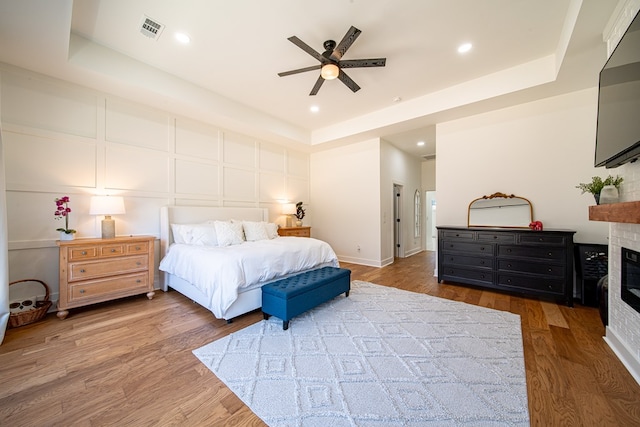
{"x": 150, "y": 28}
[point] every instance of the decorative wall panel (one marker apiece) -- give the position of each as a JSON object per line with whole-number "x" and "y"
{"x": 128, "y": 168}
{"x": 196, "y": 139}
{"x": 196, "y": 178}
{"x": 239, "y": 150}
{"x": 272, "y": 158}
{"x": 239, "y": 184}
{"x": 47, "y": 105}
{"x": 136, "y": 125}
{"x": 33, "y": 162}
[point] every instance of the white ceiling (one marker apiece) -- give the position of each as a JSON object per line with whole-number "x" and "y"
{"x": 523, "y": 50}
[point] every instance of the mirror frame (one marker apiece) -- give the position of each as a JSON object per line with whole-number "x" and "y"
{"x": 499, "y": 195}
{"x": 417, "y": 214}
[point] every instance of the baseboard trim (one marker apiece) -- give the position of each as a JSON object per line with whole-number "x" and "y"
{"x": 623, "y": 352}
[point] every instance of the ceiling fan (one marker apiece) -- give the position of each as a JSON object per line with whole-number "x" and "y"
{"x": 331, "y": 64}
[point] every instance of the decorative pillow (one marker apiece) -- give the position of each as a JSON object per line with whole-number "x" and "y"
{"x": 254, "y": 231}
{"x": 272, "y": 230}
{"x": 195, "y": 234}
{"x": 229, "y": 233}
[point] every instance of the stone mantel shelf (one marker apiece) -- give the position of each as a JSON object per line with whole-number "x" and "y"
{"x": 627, "y": 212}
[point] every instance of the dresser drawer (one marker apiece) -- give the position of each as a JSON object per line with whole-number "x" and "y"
{"x": 544, "y": 285}
{"x": 468, "y": 247}
{"x": 496, "y": 237}
{"x": 457, "y": 234}
{"x": 472, "y": 261}
{"x": 107, "y": 289}
{"x": 477, "y": 276}
{"x": 112, "y": 250}
{"x": 106, "y": 267}
{"x": 81, "y": 253}
{"x": 537, "y": 239}
{"x": 551, "y": 270}
{"x": 137, "y": 248}
{"x": 533, "y": 252}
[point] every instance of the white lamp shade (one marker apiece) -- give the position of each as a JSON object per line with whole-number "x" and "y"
{"x": 106, "y": 205}
{"x": 289, "y": 209}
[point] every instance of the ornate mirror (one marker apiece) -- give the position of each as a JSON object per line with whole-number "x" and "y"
{"x": 417, "y": 214}
{"x": 500, "y": 210}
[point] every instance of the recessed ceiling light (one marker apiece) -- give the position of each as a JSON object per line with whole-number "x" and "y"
{"x": 420, "y": 143}
{"x": 464, "y": 47}
{"x": 183, "y": 38}
{"x": 314, "y": 109}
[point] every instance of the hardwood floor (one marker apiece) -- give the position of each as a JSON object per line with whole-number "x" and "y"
{"x": 129, "y": 362}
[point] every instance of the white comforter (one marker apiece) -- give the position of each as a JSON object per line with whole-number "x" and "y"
{"x": 221, "y": 272}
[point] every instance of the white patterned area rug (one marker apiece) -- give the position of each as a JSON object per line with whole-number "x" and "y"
{"x": 381, "y": 357}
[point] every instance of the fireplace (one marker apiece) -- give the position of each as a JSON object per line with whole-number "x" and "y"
{"x": 630, "y": 278}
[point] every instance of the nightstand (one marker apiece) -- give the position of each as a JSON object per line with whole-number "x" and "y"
{"x": 98, "y": 270}
{"x": 295, "y": 231}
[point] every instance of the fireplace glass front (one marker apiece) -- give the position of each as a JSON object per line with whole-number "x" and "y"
{"x": 631, "y": 278}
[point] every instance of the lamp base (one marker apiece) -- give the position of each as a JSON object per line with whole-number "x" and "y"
{"x": 108, "y": 227}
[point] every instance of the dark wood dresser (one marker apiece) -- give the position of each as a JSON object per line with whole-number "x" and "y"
{"x": 532, "y": 263}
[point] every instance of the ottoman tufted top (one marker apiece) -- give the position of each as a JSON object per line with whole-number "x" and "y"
{"x": 300, "y": 283}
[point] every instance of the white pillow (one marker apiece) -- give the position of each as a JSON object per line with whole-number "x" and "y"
{"x": 195, "y": 234}
{"x": 229, "y": 233}
{"x": 272, "y": 230}
{"x": 254, "y": 231}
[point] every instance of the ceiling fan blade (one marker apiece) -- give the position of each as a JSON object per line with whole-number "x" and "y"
{"x": 302, "y": 45}
{"x": 317, "y": 86}
{"x": 300, "y": 70}
{"x": 346, "y": 42}
{"x": 358, "y": 63}
{"x": 348, "y": 82}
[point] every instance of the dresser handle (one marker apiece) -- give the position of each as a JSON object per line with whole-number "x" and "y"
{"x": 509, "y": 265}
{"x": 138, "y": 281}
{"x": 138, "y": 263}
{"x": 550, "y": 254}
{"x": 482, "y": 248}
{"x": 113, "y": 250}
{"x": 82, "y": 270}
{"x": 137, "y": 248}
{"x": 83, "y": 252}
{"x": 541, "y": 239}
{"x": 495, "y": 237}
{"x": 509, "y": 281}
{"x": 82, "y": 291}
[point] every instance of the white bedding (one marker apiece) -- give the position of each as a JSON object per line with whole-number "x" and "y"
{"x": 221, "y": 272}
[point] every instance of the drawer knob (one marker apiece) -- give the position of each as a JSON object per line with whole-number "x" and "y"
{"x": 138, "y": 281}
{"x": 113, "y": 250}
{"x": 82, "y": 291}
{"x": 83, "y": 252}
{"x": 138, "y": 263}
{"x": 482, "y": 248}
{"x": 508, "y": 265}
{"x": 550, "y": 254}
{"x": 482, "y": 262}
{"x": 495, "y": 237}
{"x": 541, "y": 239}
{"x": 509, "y": 281}
{"x": 82, "y": 270}
{"x": 137, "y": 248}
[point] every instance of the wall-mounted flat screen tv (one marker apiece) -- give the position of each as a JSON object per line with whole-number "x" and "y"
{"x": 618, "y": 129}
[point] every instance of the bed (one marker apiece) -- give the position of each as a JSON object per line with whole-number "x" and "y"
{"x": 204, "y": 274}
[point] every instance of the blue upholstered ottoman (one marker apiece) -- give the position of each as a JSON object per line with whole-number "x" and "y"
{"x": 289, "y": 297}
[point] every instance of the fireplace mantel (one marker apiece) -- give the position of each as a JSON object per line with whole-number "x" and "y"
{"x": 627, "y": 212}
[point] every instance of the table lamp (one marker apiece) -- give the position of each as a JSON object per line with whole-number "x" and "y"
{"x": 289, "y": 209}
{"x": 107, "y": 206}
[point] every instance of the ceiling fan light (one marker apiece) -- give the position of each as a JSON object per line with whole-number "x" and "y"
{"x": 329, "y": 71}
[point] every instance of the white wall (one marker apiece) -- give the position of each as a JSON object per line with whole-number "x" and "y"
{"x": 345, "y": 183}
{"x": 63, "y": 139}
{"x": 539, "y": 150}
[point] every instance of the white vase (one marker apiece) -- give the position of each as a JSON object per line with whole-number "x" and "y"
{"x": 299, "y": 223}
{"x": 67, "y": 236}
{"x": 609, "y": 194}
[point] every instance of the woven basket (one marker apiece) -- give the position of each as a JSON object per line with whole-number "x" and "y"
{"x": 41, "y": 307}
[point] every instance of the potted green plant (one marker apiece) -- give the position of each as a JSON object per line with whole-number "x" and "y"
{"x": 300, "y": 212}
{"x": 597, "y": 184}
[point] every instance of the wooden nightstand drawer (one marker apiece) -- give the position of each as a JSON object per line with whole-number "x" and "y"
{"x": 137, "y": 248}
{"x": 89, "y": 252}
{"x": 295, "y": 231}
{"x": 112, "y": 250}
{"x": 107, "y": 289}
{"x": 108, "y": 267}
